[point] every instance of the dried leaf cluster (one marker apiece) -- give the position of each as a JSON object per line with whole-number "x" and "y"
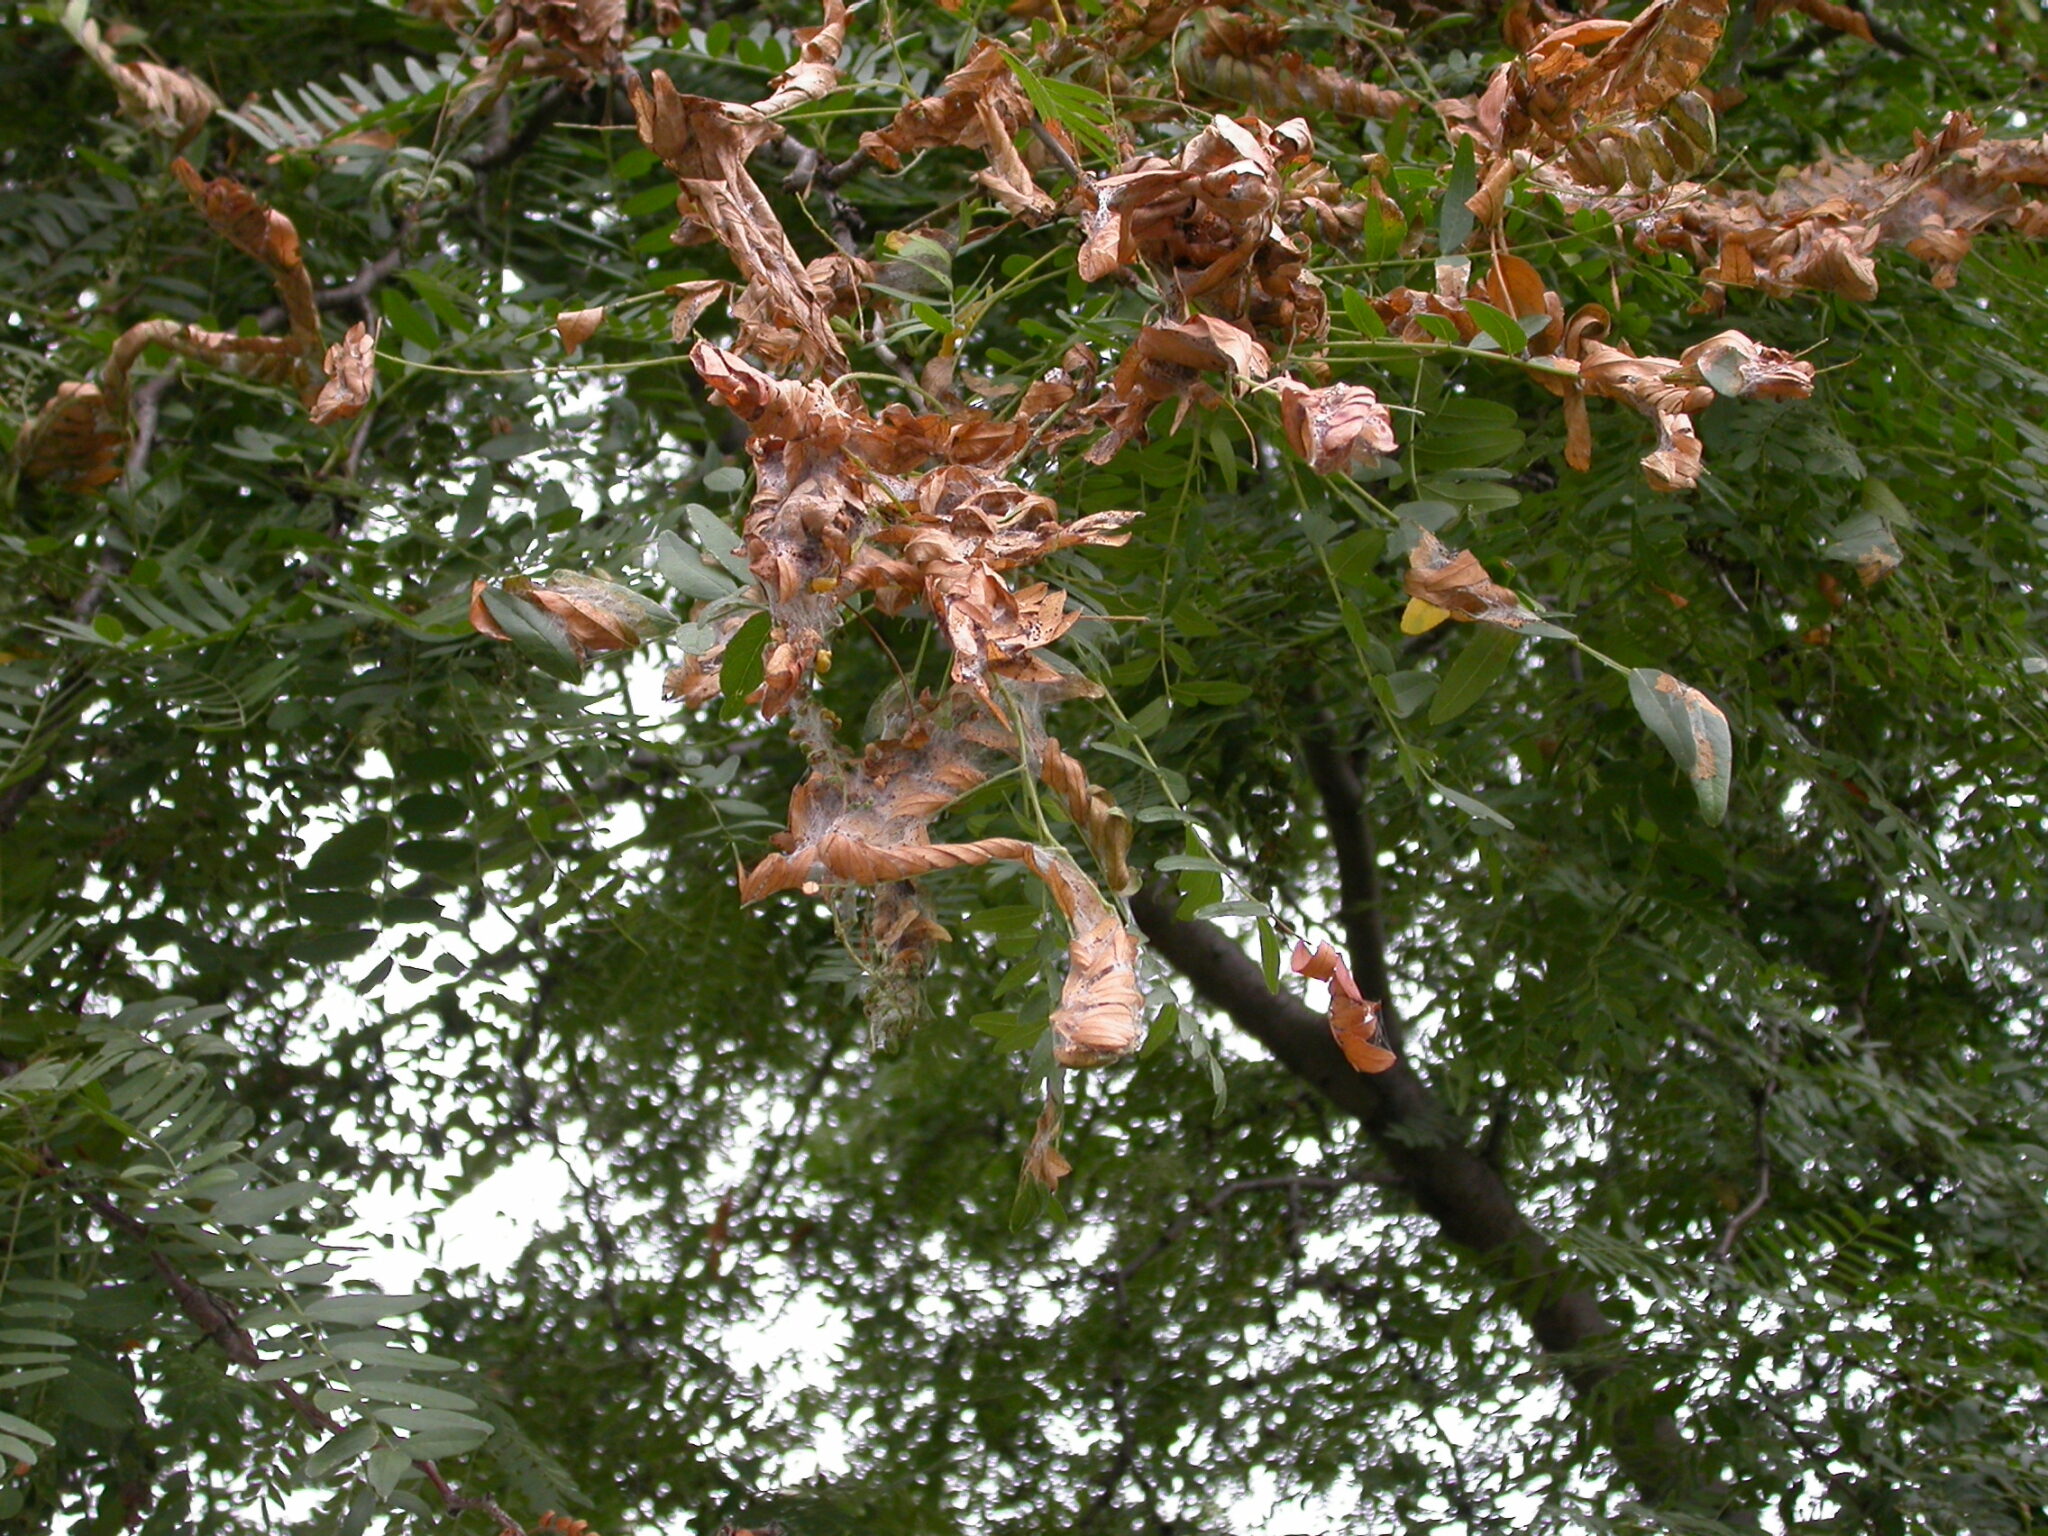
{"x": 74, "y": 442}
{"x": 935, "y": 513}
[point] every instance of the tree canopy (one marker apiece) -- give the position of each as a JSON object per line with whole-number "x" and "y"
{"x": 1285, "y": 758}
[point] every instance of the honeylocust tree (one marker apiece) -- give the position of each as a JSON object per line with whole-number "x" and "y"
{"x": 1202, "y": 768}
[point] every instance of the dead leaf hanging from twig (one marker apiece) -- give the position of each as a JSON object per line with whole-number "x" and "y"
{"x": 576, "y": 326}
{"x": 1354, "y": 1020}
{"x": 866, "y": 821}
{"x": 351, "y": 373}
{"x": 979, "y": 106}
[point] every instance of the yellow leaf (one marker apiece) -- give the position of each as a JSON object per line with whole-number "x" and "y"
{"x": 1419, "y": 618}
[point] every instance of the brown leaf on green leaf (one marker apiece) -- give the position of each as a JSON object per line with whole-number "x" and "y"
{"x": 1454, "y": 581}
{"x": 598, "y": 615}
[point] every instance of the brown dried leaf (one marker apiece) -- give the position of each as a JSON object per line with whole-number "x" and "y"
{"x": 1102, "y": 821}
{"x": 1208, "y": 226}
{"x": 166, "y": 102}
{"x": 706, "y": 144}
{"x": 242, "y": 219}
{"x": 351, "y": 373}
{"x": 576, "y": 326}
{"x": 695, "y": 682}
{"x": 815, "y": 73}
{"x": 1843, "y": 18}
{"x": 272, "y": 359}
{"x": 1817, "y": 229}
{"x": 597, "y": 615}
{"x": 953, "y": 115}
{"x": 1664, "y": 50}
{"x": 979, "y": 106}
{"x": 895, "y": 949}
{"x": 1100, "y": 1019}
{"x": 1165, "y": 362}
{"x": 811, "y": 506}
{"x": 589, "y": 32}
{"x": 73, "y": 441}
{"x": 1454, "y": 581}
{"x": 258, "y": 230}
{"x": 1245, "y": 61}
{"x": 1746, "y": 370}
{"x": 867, "y": 821}
{"x": 1515, "y": 286}
{"x": 1341, "y": 429}
{"x": 1354, "y": 1021}
{"x": 1043, "y": 1164}
{"x": 692, "y": 299}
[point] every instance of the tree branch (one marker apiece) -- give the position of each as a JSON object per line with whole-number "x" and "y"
{"x": 1454, "y": 1186}
{"x": 1359, "y": 899}
{"x": 502, "y": 146}
{"x": 218, "y": 1322}
{"x": 1749, "y": 1212}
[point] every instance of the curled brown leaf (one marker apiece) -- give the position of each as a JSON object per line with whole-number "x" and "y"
{"x": 256, "y": 229}
{"x": 1340, "y": 429}
{"x": 351, "y": 373}
{"x": 1354, "y": 1019}
{"x": 866, "y": 821}
{"x": 783, "y": 319}
{"x": 1043, "y": 1164}
{"x": 576, "y": 326}
{"x": 692, "y": 299}
{"x": 816, "y": 71}
{"x": 1454, "y": 581}
{"x": 73, "y": 442}
{"x": 596, "y": 614}
{"x": 1208, "y": 225}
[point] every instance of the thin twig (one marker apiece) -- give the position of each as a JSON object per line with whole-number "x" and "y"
{"x": 1058, "y": 151}
{"x": 1750, "y": 1211}
{"x": 218, "y": 1322}
{"x": 845, "y": 170}
{"x": 500, "y": 146}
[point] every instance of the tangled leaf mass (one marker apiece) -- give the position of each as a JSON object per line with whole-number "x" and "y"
{"x": 936, "y": 513}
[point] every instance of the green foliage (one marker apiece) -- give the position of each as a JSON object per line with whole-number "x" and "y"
{"x": 309, "y": 890}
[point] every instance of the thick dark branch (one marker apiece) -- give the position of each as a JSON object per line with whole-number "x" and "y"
{"x": 1451, "y": 1183}
{"x": 1359, "y": 902}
